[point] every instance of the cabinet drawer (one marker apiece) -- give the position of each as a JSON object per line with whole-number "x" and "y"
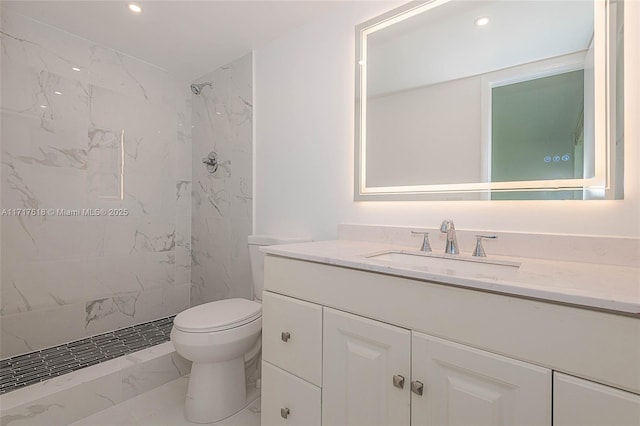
{"x": 288, "y": 400}
{"x": 292, "y": 336}
{"x": 579, "y": 402}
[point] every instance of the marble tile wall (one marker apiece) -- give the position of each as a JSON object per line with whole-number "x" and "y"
{"x": 222, "y": 202}
{"x": 68, "y": 273}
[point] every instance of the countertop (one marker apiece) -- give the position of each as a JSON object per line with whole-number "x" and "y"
{"x": 609, "y": 287}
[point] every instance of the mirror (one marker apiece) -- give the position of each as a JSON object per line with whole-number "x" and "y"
{"x": 490, "y": 100}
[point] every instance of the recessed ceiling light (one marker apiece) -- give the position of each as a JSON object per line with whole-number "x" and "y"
{"x": 135, "y": 8}
{"x": 43, "y": 106}
{"x": 57, "y": 93}
{"x": 482, "y": 21}
{"x": 75, "y": 68}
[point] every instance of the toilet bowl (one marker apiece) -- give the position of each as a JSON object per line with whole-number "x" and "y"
{"x": 216, "y": 337}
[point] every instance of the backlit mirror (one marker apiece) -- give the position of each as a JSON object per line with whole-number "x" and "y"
{"x": 488, "y": 100}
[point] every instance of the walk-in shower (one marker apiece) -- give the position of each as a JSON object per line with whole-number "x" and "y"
{"x": 196, "y": 88}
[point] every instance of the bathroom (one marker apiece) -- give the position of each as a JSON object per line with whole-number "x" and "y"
{"x": 126, "y": 134}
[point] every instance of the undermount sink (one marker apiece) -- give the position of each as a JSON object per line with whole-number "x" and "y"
{"x": 454, "y": 265}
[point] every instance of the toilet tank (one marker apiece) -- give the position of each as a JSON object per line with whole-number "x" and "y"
{"x": 257, "y": 257}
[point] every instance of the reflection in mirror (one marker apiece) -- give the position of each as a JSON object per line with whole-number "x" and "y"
{"x": 490, "y": 100}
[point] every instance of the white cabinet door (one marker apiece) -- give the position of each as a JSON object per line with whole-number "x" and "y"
{"x": 466, "y": 386}
{"x": 360, "y": 359}
{"x": 579, "y": 402}
{"x": 288, "y": 400}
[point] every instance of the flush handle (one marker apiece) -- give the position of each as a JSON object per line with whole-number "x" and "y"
{"x": 285, "y": 336}
{"x": 284, "y": 413}
{"x": 398, "y": 381}
{"x": 417, "y": 387}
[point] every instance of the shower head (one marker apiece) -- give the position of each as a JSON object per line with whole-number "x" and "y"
{"x": 196, "y": 88}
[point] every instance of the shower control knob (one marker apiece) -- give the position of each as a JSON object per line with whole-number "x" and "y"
{"x": 285, "y": 336}
{"x": 284, "y": 413}
{"x": 211, "y": 162}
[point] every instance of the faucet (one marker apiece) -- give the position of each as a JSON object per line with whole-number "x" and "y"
{"x": 452, "y": 243}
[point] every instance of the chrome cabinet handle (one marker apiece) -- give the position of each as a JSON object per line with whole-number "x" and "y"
{"x": 398, "y": 381}
{"x": 285, "y": 336}
{"x": 284, "y": 413}
{"x": 417, "y": 387}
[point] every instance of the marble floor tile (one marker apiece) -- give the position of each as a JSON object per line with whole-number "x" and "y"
{"x": 163, "y": 406}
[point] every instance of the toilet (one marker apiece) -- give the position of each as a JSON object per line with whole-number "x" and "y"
{"x": 216, "y": 337}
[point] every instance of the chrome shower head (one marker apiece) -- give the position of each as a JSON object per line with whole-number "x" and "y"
{"x": 196, "y": 88}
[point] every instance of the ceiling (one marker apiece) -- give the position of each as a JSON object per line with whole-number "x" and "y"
{"x": 187, "y": 38}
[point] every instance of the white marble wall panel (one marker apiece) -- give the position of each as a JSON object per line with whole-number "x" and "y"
{"x": 28, "y": 286}
{"x": 222, "y": 202}
{"x": 123, "y": 309}
{"x": 39, "y": 328}
{"x": 61, "y": 148}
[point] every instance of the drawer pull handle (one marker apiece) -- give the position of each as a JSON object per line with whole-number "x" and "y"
{"x": 417, "y": 387}
{"x": 285, "y": 336}
{"x": 398, "y": 381}
{"x": 284, "y": 412}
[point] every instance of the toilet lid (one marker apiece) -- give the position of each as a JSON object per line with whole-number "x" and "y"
{"x": 217, "y": 316}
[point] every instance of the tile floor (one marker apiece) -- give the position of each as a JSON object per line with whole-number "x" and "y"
{"x": 163, "y": 406}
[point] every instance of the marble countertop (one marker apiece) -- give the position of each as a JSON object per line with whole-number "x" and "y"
{"x": 608, "y": 287}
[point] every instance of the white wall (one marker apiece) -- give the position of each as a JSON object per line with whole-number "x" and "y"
{"x": 427, "y": 134}
{"x": 304, "y": 130}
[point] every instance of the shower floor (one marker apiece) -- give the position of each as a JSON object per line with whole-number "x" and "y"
{"x": 164, "y": 406}
{"x": 34, "y": 367}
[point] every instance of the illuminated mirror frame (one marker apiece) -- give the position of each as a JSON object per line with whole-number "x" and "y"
{"x": 601, "y": 186}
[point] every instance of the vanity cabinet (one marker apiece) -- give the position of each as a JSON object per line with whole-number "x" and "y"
{"x": 367, "y": 344}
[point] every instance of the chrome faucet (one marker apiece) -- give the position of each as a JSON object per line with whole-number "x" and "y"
{"x": 452, "y": 243}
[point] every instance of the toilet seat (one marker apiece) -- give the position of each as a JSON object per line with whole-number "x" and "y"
{"x": 218, "y": 316}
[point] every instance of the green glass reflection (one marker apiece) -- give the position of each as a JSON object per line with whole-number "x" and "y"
{"x": 537, "y": 132}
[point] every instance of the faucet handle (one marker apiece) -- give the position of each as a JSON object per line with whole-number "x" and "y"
{"x": 425, "y": 241}
{"x": 479, "y": 251}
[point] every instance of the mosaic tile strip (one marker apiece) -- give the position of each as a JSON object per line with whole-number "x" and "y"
{"x": 34, "y": 367}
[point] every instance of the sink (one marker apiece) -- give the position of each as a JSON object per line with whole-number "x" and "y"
{"x": 453, "y": 265}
